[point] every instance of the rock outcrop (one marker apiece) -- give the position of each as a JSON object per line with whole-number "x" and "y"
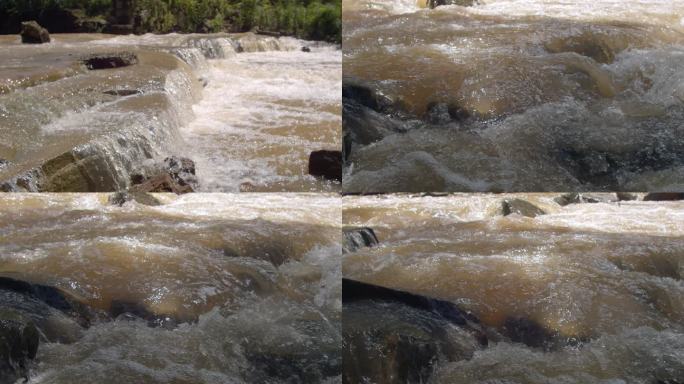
{"x": 175, "y": 174}
{"x": 357, "y": 238}
{"x": 110, "y": 60}
{"x": 33, "y": 33}
{"x": 520, "y": 207}
{"x": 580, "y": 198}
{"x": 326, "y": 164}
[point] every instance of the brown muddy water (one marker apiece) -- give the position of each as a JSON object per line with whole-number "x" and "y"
{"x": 514, "y": 95}
{"x": 247, "y": 108}
{"x": 585, "y": 293}
{"x": 204, "y": 288}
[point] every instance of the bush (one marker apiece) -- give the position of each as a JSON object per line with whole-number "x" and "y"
{"x": 308, "y": 19}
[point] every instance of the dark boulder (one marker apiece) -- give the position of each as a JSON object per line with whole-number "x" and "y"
{"x": 175, "y": 174}
{"x": 392, "y": 336}
{"x": 326, "y": 164}
{"x": 355, "y": 90}
{"x": 52, "y": 297}
{"x": 306, "y": 49}
{"x": 463, "y": 3}
{"x": 520, "y": 207}
{"x": 123, "y": 92}
{"x": 443, "y": 113}
{"x": 125, "y": 310}
{"x": 664, "y": 196}
{"x": 580, "y": 198}
{"x": 33, "y": 33}
{"x": 110, "y": 60}
{"x": 356, "y": 238}
{"x": 19, "y": 341}
{"x": 526, "y": 331}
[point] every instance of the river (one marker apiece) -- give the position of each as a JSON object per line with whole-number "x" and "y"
{"x": 248, "y": 109}
{"x": 204, "y": 288}
{"x": 585, "y": 293}
{"x": 514, "y": 95}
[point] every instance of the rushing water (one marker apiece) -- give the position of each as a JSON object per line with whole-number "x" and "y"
{"x": 602, "y": 281}
{"x": 264, "y": 107}
{"x": 515, "y": 95}
{"x": 246, "y": 287}
{"x": 262, "y": 114}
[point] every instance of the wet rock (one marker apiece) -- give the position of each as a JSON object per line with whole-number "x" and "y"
{"x": 306, "y": 49}
{"x": 528, "y": 332}
{"x": 443, "y": 113}
{"x": 357, "y": 238}
{"x": 520, "y": 207}
{"x": 626, "y": 196}
{"x": 55, "y": 325}
{"x": 19, "y": 340}
{"x": 4, "y": 163}
{"x": 327, "y": 164}
{"x": 175, "y": 174}
{"x": 664, "y": 196}
{"x": 462, "y": 3}
{"x": 123, "y": 92}
{"x": 579, "y": 198}
{"x": 111, "y": 60}
{"x": 364, "y": 95}
{"x": 125, "y": 310}
{"x": 52, "y": 297}
{"x": 161, "y": 184}
{"x": 33, "y": 33}
{"x": 120, "y": 198}
{"x": 415, "y": 332}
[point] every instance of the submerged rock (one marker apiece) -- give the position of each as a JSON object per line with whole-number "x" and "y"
{"x": 306, "y": 49}
{"x": 19, "y": 341}
{"x": 327, "y": 164}
{"x": 33, "y": 33}
{"x": 110, "y": 60}
{"x": 356, "y": 238}
{"x": 52, "y": 297}
{"x": 664, "y": 196}
{"x": 520, "y": 207}
{"x": 392, "y": 336}
{"x": 120, "y": 198}
{"x": 123, "y": 92}
{"x": 579, "y": 198}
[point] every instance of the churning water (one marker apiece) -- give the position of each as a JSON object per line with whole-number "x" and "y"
{"x": 509, "y": 95}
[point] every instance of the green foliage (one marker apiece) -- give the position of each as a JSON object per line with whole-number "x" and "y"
{"x": 308, "y": 19}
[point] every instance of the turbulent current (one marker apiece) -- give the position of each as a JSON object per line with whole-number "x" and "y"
{"x": 582, "y": 293}
{"x": 203, "y": 288}
{"x": 248, "y": 109}
{"x": 513, "y": 95}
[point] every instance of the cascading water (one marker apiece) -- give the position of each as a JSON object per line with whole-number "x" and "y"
{"x": 508, "y": 95}
{"x": 67, "y": 128}
{"x": 582, "y": 293}
{"x": 261, "y": 116}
